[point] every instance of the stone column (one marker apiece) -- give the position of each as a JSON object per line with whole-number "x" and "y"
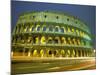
{"x": 52, "y": 55}
{"x": 84, "y": 54}
{"x": 29, "y": 53}
{"x": 77, "y": 54}
{"x": 41, "y": 53}
{"x": 23, "y": 52}
{"x": 81, "y": 53}
{"x": 87, "y": 54}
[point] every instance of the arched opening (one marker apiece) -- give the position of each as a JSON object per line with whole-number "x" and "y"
{"x": 79, "y": 53}
{"x": 55, "y": 53}
{"x": 68, "y": 53}
{"x": 73, "y": 30}
{"x": 74, "y": 41}
{"x": 50, "y": 52}
{"x": 20, "y": 52}
{"x": 41, "y": 53}
{"x": 87, "y": 53}
{"x": 36, "y": 40}
{"x": 30, "y": 29}
{"x": 43, "y": 40}
{"x": 69, "y": 40}
{"x": 45, "y": 16}
{"x": 77, "y": 32}
{"x": 35, "y": 53}
{"x": 68, "y": 29}
{"x": 27, "y": 28}
{"x": 81, "y": 34}
{"x": 56, "y": 40}
{"x": 83, "y": 53}
{"x": 50, "y": 28}
{"x": 50, "y": 41}
{"x": 63, "y": 40}
{"x": 26, "y": 52}
{"x": 23, "y": 27}
{"x": 44, "y": 28}
{"x": 78, "y": 41}
{"x": 57, "y": 17}
{"x": 62, "y": 30}
{"x": 29, "y": 40}
{"x": 19, "y": 39}
{"x": 67, "y": 19}
{"x": 33, "y": 28}
{"x": 62, "y": 53}
{"x": 38, "y": 28}
{"x": 57, "y": 29}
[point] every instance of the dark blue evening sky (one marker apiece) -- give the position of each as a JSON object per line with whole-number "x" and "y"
{"x": 84, "y": 12}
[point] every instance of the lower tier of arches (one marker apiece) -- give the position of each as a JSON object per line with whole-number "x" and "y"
{"x": 49, "y": 52}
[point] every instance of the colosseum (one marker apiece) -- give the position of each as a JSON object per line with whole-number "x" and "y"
{"x": 51, "y": 34}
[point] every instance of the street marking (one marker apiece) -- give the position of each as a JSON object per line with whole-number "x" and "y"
{"x": 53, "y": 68}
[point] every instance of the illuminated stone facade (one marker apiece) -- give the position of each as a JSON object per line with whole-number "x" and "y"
{"x": 51, "y": 34}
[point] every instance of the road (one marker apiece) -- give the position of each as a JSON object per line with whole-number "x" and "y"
{"x": 52, "y": 65}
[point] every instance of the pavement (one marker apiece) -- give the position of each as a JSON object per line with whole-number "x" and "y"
{"x": 40, "y": 65}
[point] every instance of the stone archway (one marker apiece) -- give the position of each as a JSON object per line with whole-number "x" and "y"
{"x": 50, "y": 40}
{"x": 49, "y": 53}
{"x": 68, "y": 53}
{"x": 62, "y": 53}
{"x": 55, "y": 53}
{"x": 69, "y": 41}
{"x": 36, "y": 40}
{"x": 57, "y": 29}
{"x": 43, "y": 40}
{"x": 57, "y": 40}
{"x": 73, "y": 53}
{"x": 35, "y": 53}
{"x": 74, "y": 41}
{"x": 63, "y": 40}
{"x": 41, "y": 53}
